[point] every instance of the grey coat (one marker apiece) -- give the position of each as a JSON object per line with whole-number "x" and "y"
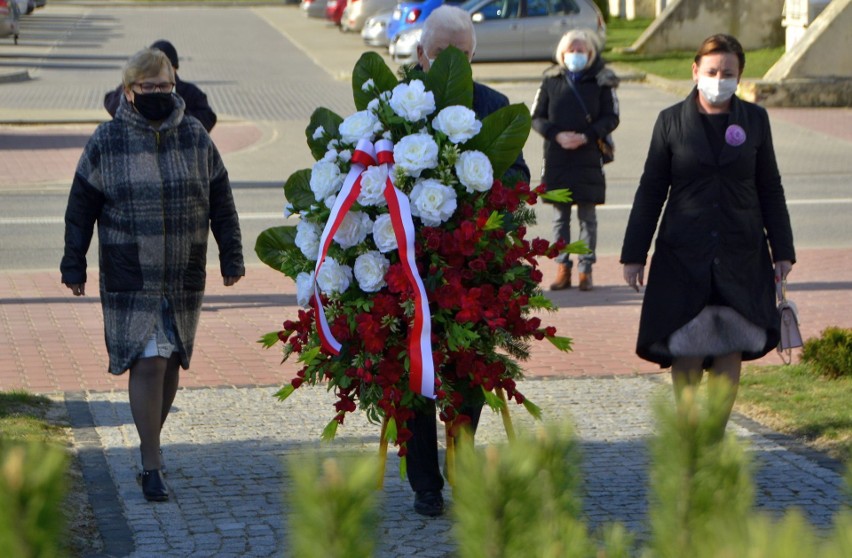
{"x": 155, "y": 195}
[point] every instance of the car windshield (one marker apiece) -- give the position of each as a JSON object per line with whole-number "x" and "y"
{"x": 469, "y": 5}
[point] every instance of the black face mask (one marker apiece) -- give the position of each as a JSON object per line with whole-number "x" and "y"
{"x": 154, "y": 106}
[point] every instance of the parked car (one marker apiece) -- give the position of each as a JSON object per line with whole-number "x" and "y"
{"x": 9, "y": 16}
{"x": 26, "y": 6}
{"x": 374, "y": 32}
{"x": 357, "y": 12}
{"x": 313, "y": 8}
{"x": 409, "y": 13}
{"x": 334, "y": 10}
{"x": 515, "y": 29}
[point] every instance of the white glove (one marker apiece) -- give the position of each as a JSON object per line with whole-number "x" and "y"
{"x": 634, "y": 275}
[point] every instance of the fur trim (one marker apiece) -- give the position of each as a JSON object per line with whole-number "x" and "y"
{"x": 717, "y": 330}
{"x": 607, "y": 78}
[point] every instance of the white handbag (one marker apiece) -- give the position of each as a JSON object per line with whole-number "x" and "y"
{"x": 791, "y": 337}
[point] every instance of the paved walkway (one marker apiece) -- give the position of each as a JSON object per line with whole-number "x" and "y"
{"x": 228, "y": 439}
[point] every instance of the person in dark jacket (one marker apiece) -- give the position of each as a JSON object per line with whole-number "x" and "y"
{"x": 572, "y": 110}
{"x": 446, "y": 26}
{"x": 710, "y": 301}
{"x": 155, "y": 184}
{"x": 194, "y": 98}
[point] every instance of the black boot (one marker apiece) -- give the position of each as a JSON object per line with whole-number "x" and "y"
{"x": 153, "y": 486}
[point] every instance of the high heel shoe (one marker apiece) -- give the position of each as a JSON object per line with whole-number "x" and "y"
{"x": 153, "y": 486}
{"x": 162, "y": 461}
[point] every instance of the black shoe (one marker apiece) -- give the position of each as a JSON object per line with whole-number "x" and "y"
{"x": 153, "y": 486}
{"x": 162, "y": 463}
{"x": 429, "y": 503}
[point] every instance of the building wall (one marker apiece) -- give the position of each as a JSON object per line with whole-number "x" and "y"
{"x": 685, "y": 23}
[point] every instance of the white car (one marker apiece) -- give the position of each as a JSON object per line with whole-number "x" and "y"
{"x": 515, "y": 29}
{"x": 26, "y": 6}
{"x": 357, "y": 11}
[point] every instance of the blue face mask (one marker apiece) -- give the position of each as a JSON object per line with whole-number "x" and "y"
{"x": 575, "y": 61}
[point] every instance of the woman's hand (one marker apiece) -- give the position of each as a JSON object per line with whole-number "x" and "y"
{"x": 77, "y": 289}
{"x": 229, "y": 281}
{"x": 782, "y": 269}
{"x": 571, "y": 140}
{"x": 634, "y": 275}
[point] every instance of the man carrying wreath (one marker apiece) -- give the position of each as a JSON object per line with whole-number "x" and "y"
{"x": 447, "y": 26}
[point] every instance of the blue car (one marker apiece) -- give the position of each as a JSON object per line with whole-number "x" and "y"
{"x": 411, "y": 12}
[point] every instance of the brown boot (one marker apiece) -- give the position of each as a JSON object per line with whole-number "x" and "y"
{"x": 563, "y": 278}
{"x": 586, "y": 281}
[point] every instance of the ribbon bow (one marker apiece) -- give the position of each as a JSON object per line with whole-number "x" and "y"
{"x": 367, "y": 154}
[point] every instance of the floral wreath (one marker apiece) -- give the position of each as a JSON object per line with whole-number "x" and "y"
{"x": 410, "y": 257}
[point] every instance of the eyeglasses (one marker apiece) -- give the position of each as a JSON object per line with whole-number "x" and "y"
{"x": 165, "y": 87}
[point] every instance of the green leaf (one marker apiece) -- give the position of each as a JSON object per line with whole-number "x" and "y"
{"x": 285, "y": 392}
{"x": 460, "y": 336}
{"x": 274, "y": 244}
{"x": 532, "y": 409}
{"x": 403, "y": 468}
{"x": 450, "y": 79}
{"x": 562, "y": 195}
{"x": 371, "y": 66}
{"x": 330, "y": 122}
{"x": 309, "y": 357}
{"x": 298, "y": 191}
{"x": 503, "y": 135}
{"x": 492, "y": 400}
{"x": 330, "y": 431}
{"x": 495, "y": 221}
{"x": 270, "y": 339}
{"x": 576, "y": 247}
{"x": 391, "y": 432}
{"x": 539, "y": 302}
{"x": 561, "y": 343}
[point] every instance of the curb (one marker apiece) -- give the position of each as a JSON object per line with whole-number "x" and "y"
{"x": 14, "y": 77}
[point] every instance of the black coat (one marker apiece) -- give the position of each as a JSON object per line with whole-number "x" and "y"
{"x": 193, "y": 97}
{"x": 722, "y": 217}
{"x": 557, "y": 109}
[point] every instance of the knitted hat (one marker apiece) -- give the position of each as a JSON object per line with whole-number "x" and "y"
{"x": 169, "y": 50}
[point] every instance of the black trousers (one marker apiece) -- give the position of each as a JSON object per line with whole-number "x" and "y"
{"x": 424, "y": 471}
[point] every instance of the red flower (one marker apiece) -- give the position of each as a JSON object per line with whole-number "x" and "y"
{"x": 371, "y": 333}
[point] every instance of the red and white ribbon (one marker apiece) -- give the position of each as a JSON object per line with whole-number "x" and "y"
{"x": 421, "y": 362}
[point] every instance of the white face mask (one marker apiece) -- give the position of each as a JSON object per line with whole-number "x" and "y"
{"x": 575, "y": 61}
{"x": 717, "y": 91}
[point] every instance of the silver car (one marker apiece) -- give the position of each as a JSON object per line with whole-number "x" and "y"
{"x": 357, "y": 11}
{"x": 374, "y": 31}
{"x": 515, "y": 29}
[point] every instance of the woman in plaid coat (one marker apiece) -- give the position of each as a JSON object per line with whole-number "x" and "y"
{"x": 155, "y": 184}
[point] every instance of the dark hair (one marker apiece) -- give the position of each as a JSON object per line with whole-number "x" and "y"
{"x": 721, "y": 43}
{"x": 169, "y": 50}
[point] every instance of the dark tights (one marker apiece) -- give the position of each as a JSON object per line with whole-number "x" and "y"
{"x": 153, "y": 386}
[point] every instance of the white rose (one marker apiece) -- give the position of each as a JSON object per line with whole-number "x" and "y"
{"x": 474, "y": 171}
{"x": 373, "y": 182}
{"x": 373, "y": 106}
{"x": 325, "y": 179}
{"x": 360, "y": 125}
{"x": 329, "y": 201}
{"x": 411, "y": 101}
{"x": 304, "y": 289}
{"x": 458, "y": 123}
{"x": 416, "y": 152}
{"x": 345, "y": 155}
{"x": 332, "y": 144}
{"x": 318, "y": 132}
{"x": 308, "y": 239}
{"x": 330, "y": 156}
{"x": 383, "y": 234}
{"x": 433, "y": 202}
{"x": 354, "y": 229}
{"x": 370, "y": 270}
{"x": 288, "y": 210}
{"x": 367, "y": 85}
{"x": 333, "y": 277}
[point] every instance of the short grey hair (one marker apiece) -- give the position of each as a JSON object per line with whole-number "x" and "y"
{"x": 448, "y": 18}
{"x": 146, "y": 63}
{"x": 586, "y": 36}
